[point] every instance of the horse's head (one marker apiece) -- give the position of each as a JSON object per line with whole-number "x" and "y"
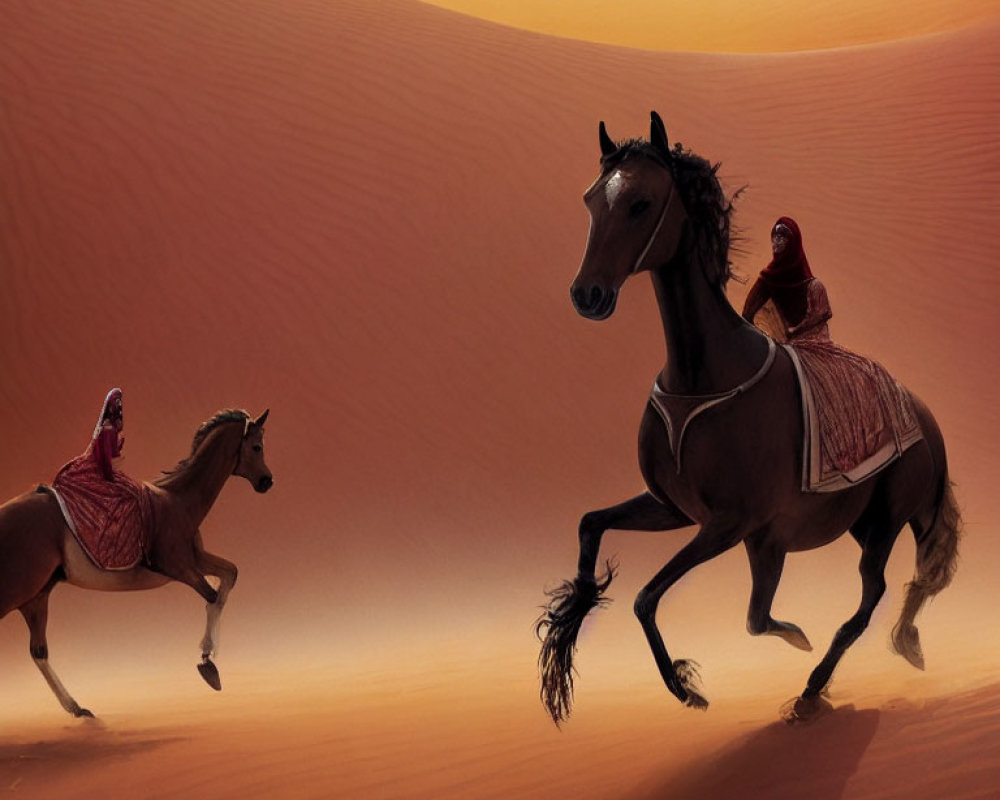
{"x": 250, "y": 464}
{"x": 636, "y": 219}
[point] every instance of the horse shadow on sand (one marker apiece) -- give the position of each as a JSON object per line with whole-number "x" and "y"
{"x": 24, "y": 760}
{"x": 778, "y": 762}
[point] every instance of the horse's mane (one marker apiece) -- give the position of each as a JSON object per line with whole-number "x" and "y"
{"x": 221, "y": 418}
{"x": 707, "y": 206}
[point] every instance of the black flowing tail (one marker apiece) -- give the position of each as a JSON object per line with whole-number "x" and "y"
{"x": 937, "y": 558}
{"x": 558, "y": 628}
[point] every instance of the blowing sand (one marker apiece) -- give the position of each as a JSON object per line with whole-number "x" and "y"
{"x": 378, "y": 740}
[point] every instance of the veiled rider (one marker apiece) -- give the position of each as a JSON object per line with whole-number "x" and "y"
{"x": 864, "y": 417}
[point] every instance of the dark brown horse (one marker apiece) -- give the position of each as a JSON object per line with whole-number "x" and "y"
{"x": 38, "y": 550}
{"x": 734, "y": 466}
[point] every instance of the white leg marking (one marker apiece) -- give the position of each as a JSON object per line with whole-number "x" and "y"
{"x": 213, "y": 612}
{"x": 56, "y": 686}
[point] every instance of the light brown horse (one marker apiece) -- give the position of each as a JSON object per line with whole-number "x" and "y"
{"x": 732, "y": 465}
{"x": 38, "y": 550}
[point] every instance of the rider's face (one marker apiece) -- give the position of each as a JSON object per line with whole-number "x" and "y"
{"x": 780, "y": 237}
{"x": 114, "y": 413}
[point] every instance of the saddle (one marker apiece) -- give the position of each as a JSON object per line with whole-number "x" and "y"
{"x": 109, "y": 519}
{"x": 857, "y": 419}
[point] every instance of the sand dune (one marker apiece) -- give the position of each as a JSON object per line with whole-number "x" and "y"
{"x": 366, "y": 216}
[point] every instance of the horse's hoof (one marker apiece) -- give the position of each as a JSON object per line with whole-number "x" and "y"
{"x": 915, "y": 658}
{"x": 906, "y": 642}
{"x": 695, "y": 700}
{"x": 802, "y": 710}
{"x": 83, "y": 712}
{"x": 793, "y": 635}
{"x": 210, "y": 673}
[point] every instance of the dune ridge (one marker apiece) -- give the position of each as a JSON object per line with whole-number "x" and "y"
{"x": 726, "y": 25}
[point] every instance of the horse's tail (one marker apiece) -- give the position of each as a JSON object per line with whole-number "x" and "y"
{"x": 558, "y": 628}
{"x": 937, "y": 558}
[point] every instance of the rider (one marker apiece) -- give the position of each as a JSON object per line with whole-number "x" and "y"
{"x": 800, "y": 299}
{"x": 105, "y": 444}
{"x": 108, "y": 439}
{"x": 859, "y": 408}
{"x": 107, "y": 507}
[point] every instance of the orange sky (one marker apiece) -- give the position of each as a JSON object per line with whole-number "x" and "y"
{"x": 730, "y": 25}
{"x": 366, "y": 217}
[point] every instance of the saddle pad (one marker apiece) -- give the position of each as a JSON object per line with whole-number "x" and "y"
{"x": 857, "y": 418}
{"x": 109, "y": 519}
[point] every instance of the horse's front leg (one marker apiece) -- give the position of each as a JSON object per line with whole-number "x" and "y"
{"x": 186, "y": 571}
{"x": 183, "y": 564}
{"x": 226, "y": 572}
{"x": 712, "y": 540}
{"x": 642, "y": 513}
{"x": 570, "y": 603}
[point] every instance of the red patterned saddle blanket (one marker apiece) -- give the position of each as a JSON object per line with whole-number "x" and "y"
{"x": 109, "y": 519}
{"x": 857, "y": 418}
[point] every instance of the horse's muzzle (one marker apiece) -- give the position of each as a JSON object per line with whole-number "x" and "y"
{"x": 264, "y": 483}
{"x": 593, "y": 302}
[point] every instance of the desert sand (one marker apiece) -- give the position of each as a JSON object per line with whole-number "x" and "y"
{"x": 372, "y": 740}
{"x": 366, "y": 217}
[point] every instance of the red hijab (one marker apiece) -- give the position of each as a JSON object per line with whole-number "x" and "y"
{"x": 791, "y": 267}
{"x": 788, "y": 274}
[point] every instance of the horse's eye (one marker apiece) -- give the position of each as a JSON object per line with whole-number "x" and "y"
{"x": 257, "y": 448}
{"x": 637, "y": 208}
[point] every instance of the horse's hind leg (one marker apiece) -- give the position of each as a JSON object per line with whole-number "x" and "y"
{"x": 766, "y": 563}
{"x": 36, "y": 614}
{"x": 878, "y": 544}
{"x": 937, "y": 533}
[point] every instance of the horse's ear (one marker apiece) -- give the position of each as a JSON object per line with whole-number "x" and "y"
{"x": 259, "y": 422}
{"x": 658, "y": 134}
{"x": 607, "y": 146}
